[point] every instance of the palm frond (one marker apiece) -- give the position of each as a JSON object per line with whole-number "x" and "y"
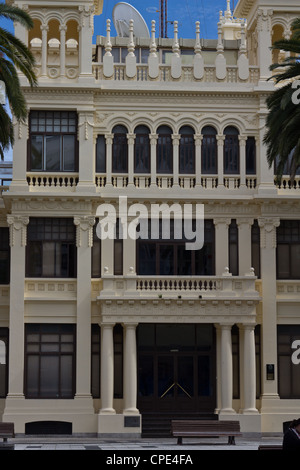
{"x": 13, "y": 13}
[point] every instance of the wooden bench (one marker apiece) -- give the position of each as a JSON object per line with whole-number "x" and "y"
{"x": 7, "y": 430}
{"x": 202, "y": 428}
{"x": 270, "y": 447}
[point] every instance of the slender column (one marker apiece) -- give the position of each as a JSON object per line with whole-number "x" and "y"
{"x": 249, "y": 370}
{"x": 226, "y": 370}
{"x": 18, "y": 234}
{"x": 44, "y": 29}
{"x": 131, "y": 140}
{"x": 109, "y": 143}
{"x": 243, "y": 141}
{"x": 220, "y": 141}
{"x": 107, "y": 369}
{"x": 221, "y": 245}
{"x": 130, "y": 370}
{"x": 86, "y": 40}
{"x": 265, "y": 174}
{"x": 86, "y": 152}
{"x": 268, "y": 242}
{"x": 176, "y": 140}
{"x": 84, "y": 243}
{"x": 264, "y": 40}
{"x": 244, "y": 239}
{"x": 218, "y": 346}
{"x": 153, "y": 142}
{"x": 62, "y": 30}
{"x": 198, "y": 142}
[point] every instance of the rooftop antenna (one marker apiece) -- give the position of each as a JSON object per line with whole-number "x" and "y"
{"x": 163, "y": 30}
{"x": 123, "y": 13}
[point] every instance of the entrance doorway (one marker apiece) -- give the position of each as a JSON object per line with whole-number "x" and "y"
{"x": 176, "y": 368}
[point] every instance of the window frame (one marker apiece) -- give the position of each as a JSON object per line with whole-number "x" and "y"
{"x": 286, "y": 239}
{"x": 45, "y": 329}
{"x": 41, "y": 239}
{"x": 44, "y": 134}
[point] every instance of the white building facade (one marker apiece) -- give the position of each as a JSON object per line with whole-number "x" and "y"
{"x": 98, "y": 336}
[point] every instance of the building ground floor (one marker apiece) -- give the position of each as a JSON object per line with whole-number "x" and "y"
{"x": 138, "y": 376}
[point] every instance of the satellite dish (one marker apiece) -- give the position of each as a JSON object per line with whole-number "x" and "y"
{"x": 122, "y": 14}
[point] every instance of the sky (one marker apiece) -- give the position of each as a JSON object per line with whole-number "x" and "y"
{"x": 186, "y": 12}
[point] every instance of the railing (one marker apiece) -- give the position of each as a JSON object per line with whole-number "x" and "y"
{"x": 173, "y": 284}
{"x": 179, "y": 288}
{"x": 143, "y": 181}
{"x": 50, "y": 181}
{"x": 187, "y": 75}
{"x": 287, "y": 184}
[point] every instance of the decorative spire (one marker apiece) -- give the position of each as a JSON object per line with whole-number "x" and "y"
{"x": 198, "y": 42}
{"x": 153, "y": 45}
{"x": 108, "y": 45}
{"x": 176, "y": 49}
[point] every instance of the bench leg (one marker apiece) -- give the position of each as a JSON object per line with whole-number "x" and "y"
{"x": 179, "y": 441}
{"x": 231, "y": 441}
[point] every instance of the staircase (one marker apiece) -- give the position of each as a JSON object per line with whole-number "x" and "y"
{"x": 156, "y": 424}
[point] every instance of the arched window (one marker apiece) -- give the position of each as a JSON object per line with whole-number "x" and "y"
{"x": 231, "y": 151}
{"x": 187, "y": 150}
{"x": 142, "y": 150}
{"x": 164, "y": 150}
{"x": 209, "y": 154}
{"x": 120, "y": 150}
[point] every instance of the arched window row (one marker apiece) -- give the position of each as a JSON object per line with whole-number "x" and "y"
{"x": 186, "y": 155}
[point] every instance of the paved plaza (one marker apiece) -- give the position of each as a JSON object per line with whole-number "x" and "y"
{"x": 149, "y": 445}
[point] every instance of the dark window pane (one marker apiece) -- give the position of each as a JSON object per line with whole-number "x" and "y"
{"x": 142, "y": 150}
{"x": 164, "y": 150}
{"x": 209, "y": 151}
{"x": 233, "y": 249}
{"x": 187, "y": 151}
{"x": 101, "y": 154}
{"x": 53, "y": 153}
{"x": 69, "y": 152}
{"x": 231, "y": 151}
{"x": 251, "y": 156}
{"x": 147, "y": 259}
{"x": 166, "y": 258}
{"x": 120, "y": 150}
{"x": 36, "y": 160}
{"x": 118, "y": 257}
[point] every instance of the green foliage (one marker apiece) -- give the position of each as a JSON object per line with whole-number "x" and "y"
{"x": 283, "y": 122}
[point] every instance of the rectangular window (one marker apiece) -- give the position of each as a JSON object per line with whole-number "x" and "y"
{"x": 233, "y": 248}
{"x": 255, "y": 251}
{"x": 288, "y": 249}
{"x": 96, "y": 362}
{"x": 251, "y": 156}
{"x": 101, "y": 154}
{"x": 53, "y": 141}
{"x": 51, "y": 248}
{"x": 4, "y": 256}
{"x": 50, "y": 361}
{"x": 3, "y": 362}
{"x": 170, "y": 258}
{"x": 96, "y": 254}
{"x": 288, "y": 372}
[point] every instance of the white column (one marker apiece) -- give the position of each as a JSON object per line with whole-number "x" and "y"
{"x": 107, "y": 369}
{"x": 226, "y": 370}
{"x": 130, "y": 370}
{"x": 244, "y": 240}
{"x": 221, "y": 244}
{"x": 44, "y": 29}
{"x": 265, "y": 175}
{"x": 131, "y": 140}
{"x": 85, "y": 41}
{"x": 243, "y": 141}
{"x": 84, "y": 238}
{"x": 264, "y": 40}
{"x": 249, "y": 401}
{"x": 176, "y": 140}
{"x": 109, "y": 143}
{"x": 18, "y": 234}
{"x": 220, "y": 141}
{"x": 153, "y": 142}
{"x": 198, "y": 163}
{"x": 19, "y": 181}
{"x": 62, "y": 30}
{"x": 268, "y": 241}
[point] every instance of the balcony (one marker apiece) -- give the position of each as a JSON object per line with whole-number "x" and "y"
{"x": 206, "y": 298}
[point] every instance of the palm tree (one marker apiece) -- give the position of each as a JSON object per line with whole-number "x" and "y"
{"x": 14, "y": 56}
{"x": 283, "y": 121}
